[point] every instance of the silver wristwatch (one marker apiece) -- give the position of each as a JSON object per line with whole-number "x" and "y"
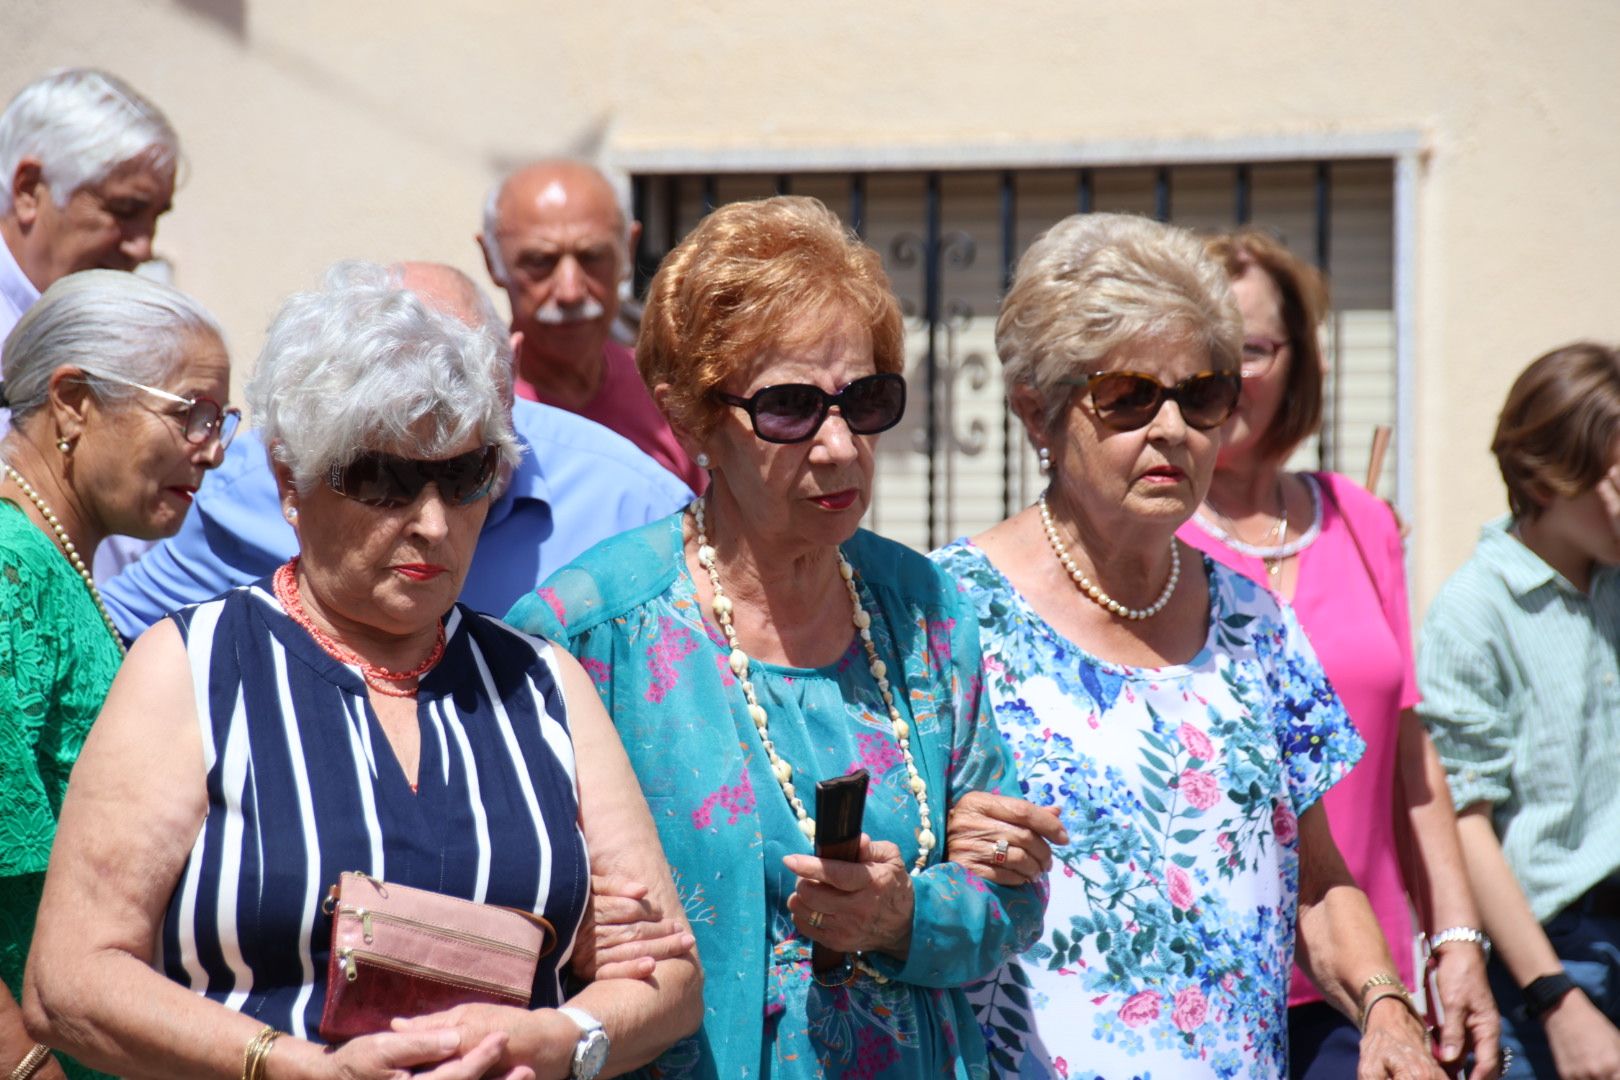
{"x": 591, "y": 1052}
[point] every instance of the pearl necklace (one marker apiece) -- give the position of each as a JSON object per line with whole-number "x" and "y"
{"x": 68, "y": 549}
{"x": 1090, "y": 588}
{"x": 285, "y": 586}
{"x": 780, "y": 767}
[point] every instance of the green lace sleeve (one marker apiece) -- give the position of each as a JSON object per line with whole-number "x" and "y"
{"x": 56, "y": 663}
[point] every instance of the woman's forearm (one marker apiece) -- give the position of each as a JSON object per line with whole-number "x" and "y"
{"x": 1444, "y": 883}
{"x": 112, "y": 1012}
{"x": 641, "y": 1016}
{"x": 1339, "y": 944}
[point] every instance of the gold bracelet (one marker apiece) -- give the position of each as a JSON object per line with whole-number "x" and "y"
{"x": 1376, "y": 989}
{"x": 258, "y": 1050}
{"x": 31, "y": 1062}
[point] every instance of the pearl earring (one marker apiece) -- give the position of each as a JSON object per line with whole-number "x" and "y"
{"x": 64, "y": 446}
{"x": 702, "y": 461}
{"x": 1045, "y": 456}
{"x": 292, "y": 513}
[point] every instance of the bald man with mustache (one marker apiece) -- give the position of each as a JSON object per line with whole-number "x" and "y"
{"x": 558, "y": 241}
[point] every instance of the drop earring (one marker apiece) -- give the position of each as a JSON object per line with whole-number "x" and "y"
{"x": 702, "y": 460}
{"x": 1045, "y": 457}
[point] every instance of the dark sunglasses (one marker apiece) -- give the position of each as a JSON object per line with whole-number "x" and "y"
{"x": 794, "y": 412}
{"x": 389, "y": 481}
{"x": 1127, "y": 400}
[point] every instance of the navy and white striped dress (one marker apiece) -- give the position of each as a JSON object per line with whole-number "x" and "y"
{"x": 303, "y": 785}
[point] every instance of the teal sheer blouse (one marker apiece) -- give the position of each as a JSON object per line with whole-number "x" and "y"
{"x": 628, "y": 610}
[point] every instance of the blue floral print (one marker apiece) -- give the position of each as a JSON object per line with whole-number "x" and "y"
{"x": 1170, "y": 929}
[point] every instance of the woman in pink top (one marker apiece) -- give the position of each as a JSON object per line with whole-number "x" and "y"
{"x": 1334, "y": 552}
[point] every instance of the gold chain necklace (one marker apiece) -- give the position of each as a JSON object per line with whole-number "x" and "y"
{"x": 68, "y": 549}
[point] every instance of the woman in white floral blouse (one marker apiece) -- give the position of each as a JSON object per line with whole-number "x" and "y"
{"x": 1169, "y": 710}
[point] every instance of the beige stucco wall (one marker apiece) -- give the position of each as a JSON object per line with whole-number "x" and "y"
{"x": 317, "y": 130}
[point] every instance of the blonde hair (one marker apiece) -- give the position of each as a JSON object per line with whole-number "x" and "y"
{"x": 750, "y": 273}
{"x": 1093, "y": 284}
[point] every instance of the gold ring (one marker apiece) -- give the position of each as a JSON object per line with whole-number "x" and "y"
{"x": 1001, "y": 852}
{"x": 815, "y": 920}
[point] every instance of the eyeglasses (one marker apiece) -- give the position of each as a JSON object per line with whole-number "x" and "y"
{"x": 1127, "y": 400}
{"x": 1259, "y": 354}
{"x": 205, "y": 418}
{"x": 389, "y": 481}
{"x": 794, "y": 412}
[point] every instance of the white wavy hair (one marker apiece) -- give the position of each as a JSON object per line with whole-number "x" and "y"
{"x": 360, "y": 363}
{"x": 105, "y": 322}
{"x": 615, "y": 179}
{"x": 1094, "y": 283}
{"x": 82, "y": 124}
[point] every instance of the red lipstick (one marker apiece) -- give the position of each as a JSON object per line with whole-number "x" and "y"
{"x": 838, "y": 500}
{"x": 420, "y": 571}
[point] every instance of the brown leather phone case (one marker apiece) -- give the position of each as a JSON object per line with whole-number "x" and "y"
{"x": 840, "y": 807}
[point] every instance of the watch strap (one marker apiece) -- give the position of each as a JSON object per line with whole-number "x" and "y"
{"x": 1543, "y": 994}
{"x": 591, "y": 1051}
{"x": 587, "y": 1023}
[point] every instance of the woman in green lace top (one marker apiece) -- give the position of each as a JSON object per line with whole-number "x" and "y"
{"x": 114, "y": 385}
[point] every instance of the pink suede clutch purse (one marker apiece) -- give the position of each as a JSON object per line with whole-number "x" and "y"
{"x": 399, "y": 951}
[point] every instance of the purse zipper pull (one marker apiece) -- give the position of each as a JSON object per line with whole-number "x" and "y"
{"x": 350, "y": 971}
{"x": 365, "y": 924}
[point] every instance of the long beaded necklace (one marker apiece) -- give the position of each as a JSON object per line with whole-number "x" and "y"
{"x": 285, "y": 586}
{"x": 780, "y": 767}
{"x": 1091, "y": 589}
{"x": 68, "y": 549}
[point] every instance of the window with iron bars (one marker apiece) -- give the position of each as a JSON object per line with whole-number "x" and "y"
{"x": 960, "y": 462}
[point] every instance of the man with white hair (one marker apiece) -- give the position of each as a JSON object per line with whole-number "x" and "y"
{"x": 89, "y": 167}
{"x": 577, "y": 483}
{"x": 558, "y": 240}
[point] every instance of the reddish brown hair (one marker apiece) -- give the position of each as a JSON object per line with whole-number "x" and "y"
{"x": 1304, "y": 304}
{"x": 747, "y": 276}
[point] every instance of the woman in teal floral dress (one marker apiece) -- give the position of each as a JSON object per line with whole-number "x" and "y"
{"x": 1169, "y": 710}
{"x": 761, "y": 642}
{"x": 114, "y": 385}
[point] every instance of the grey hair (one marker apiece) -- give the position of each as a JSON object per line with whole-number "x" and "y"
{"x": 1094, "y": 283}
{"x": 616, "y": 179}
{"x": 82, "y": 124}
{"x": 360, "y": 363}
{"x": 106, "y": 323}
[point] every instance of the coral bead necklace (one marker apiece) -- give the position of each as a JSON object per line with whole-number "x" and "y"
{"x": 380, "y": 679}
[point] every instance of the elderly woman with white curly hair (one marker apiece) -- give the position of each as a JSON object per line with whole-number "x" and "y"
{"x": 344, "y": 722}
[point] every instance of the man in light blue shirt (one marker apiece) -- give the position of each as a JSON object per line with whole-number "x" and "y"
{"x": 578, "y": 483}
